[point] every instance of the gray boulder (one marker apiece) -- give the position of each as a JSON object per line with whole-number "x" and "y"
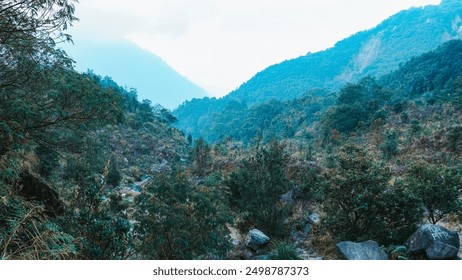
{"x": 438, "y": 242}
{"x": 314, "y": 219}
{"x": 256, "y": 239}
{"x": 368, "y": 250}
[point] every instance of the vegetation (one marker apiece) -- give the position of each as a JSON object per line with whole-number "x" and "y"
{"x": 285, "y": 251}
{"x": 180, "y": 220}
{"x": 361, "y": 205}
{"x": 89, "y": 172}
{"x": 438, "y": 188}
{"x": 257, "y": 188}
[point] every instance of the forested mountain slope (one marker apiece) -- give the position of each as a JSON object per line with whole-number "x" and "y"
{"x": 373, "y": 52}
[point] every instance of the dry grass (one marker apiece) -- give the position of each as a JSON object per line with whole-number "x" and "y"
{"x": 323, "y": 243}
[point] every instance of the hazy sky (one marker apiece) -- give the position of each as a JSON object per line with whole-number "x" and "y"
{"x": 219, "y": 44}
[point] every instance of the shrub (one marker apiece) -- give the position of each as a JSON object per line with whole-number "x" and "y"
{"x": 256, "y": 189}
{"x": 285, "y": 251}
{"x": 181, "y": 220}
{"x": 361, "y": 205}
{"x": 437, "y": 187}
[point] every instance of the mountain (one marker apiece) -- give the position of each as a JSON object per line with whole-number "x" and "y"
{"x": 428, "y": 78}
{"x": 373, "y": 52}
{"x": 135, "y": 67}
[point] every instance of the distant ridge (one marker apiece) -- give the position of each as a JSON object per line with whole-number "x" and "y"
{"x": 132, "y": 66}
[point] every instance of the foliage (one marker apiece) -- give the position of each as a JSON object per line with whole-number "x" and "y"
{"x": 101, "y": 227}
{"x": 113, "y": 176}
{"x": 29, "y": 31}
{"x": 437, "y": 187}
{"x": 201, "y": 158}
{"x": 180, "y": 220}
{"x": 390, "y": 147}
{"x": 361, "y": 205}
{"x": 256, "y": 189}
{"x": 63, "y": 127}
{"x": 25, "y": 234}
{"x": 285, "y": 251}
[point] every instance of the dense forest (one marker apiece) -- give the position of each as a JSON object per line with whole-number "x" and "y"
{"x": 367, "y": 169}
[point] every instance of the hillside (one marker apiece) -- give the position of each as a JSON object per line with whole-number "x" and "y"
{"x": 370, "y": 170}
{"x": 421, "y": 77}
{"x": 136, "y": 68}
{"x": 373, "y": 52}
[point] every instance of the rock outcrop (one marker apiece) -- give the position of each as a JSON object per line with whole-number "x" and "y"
{"x": 368, "y": 250}
{"x": 438, "y": 242}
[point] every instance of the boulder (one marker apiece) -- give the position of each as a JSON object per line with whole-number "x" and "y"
{"x": 438, "y": 242}
{"x": 256, "y": 239}
{"x": 262, "y": 258}
{"x": 247, "y": 254}
{"x": 313, "y": 219}
{"x": 368, "y": 250}
{"x": 287, "y": 198}
{"x": 32, "y": 187}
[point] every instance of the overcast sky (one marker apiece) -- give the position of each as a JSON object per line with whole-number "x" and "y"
{"x": 219, "y": 44}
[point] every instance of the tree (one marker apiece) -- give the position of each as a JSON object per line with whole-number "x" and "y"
{"x": 437, "y": 187}
{"x": 390, "y": 147}
{"x": 344, "y": 118}
{"x": 101, "y": 227}
{"x": 360, "y": 203}
{"x": 257, "y": 187}
{"x": 180, "y": 220}
{"x": 201, "y": 158}
{"x": 29, "y": 31}
{"x": 351, "y": 94}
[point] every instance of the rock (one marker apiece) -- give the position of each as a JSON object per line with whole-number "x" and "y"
{"x": 128, "y": 193}
{"x": 287, "y": 198}
{"x": 162, "y": 167}
{"x": 247, "y": 254}
{"x": 368, "y": 250}
{"x": 256, "y": 239}
{"x": 135, "y": 187}
{"x": 313, "y": 219}
{"x": 306, "y": 230}
{"x": 32, "y": 187}
{"x": 262, "y": 258}
{"x": 438, "y": 242}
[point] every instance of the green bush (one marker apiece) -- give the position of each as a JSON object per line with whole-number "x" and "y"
{"x": 437, "y": 187}
{"x": 181, "y": 220}
{"x": 285, "y": 251}
{"x": 256, "y": 188}
{"x": 361, "y": 205}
